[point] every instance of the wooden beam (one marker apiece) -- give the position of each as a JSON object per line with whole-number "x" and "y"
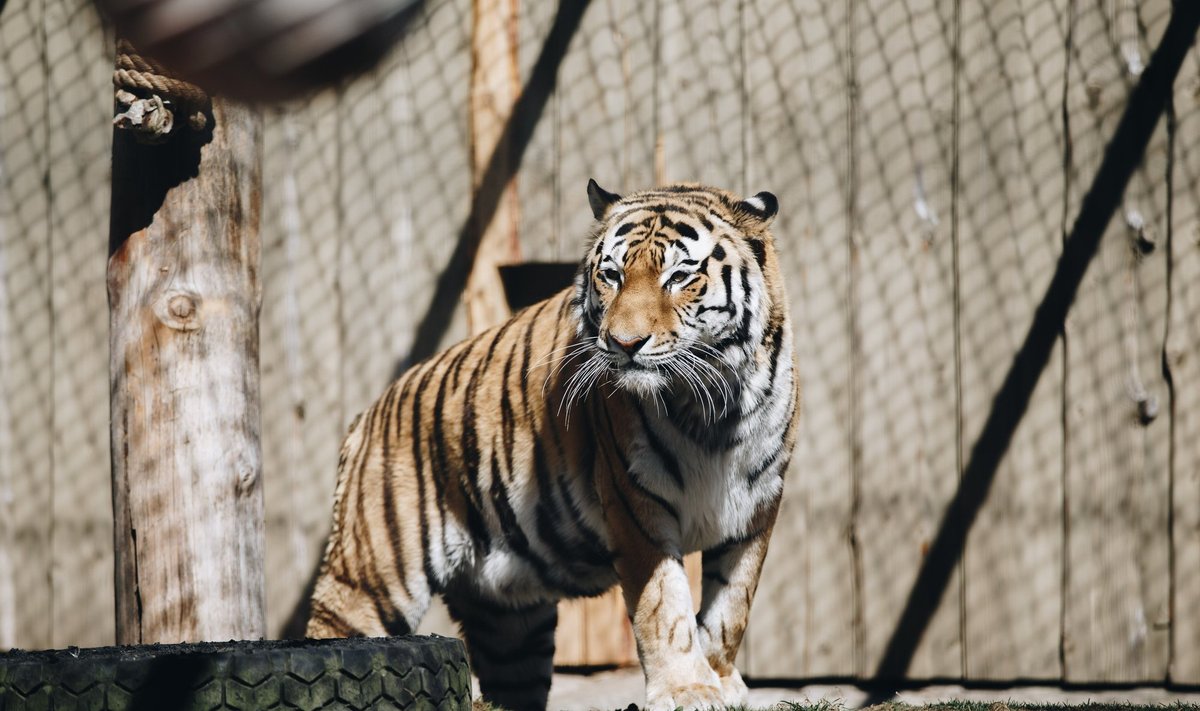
{"x": 26, "y": 325}
{"x": 495, "y": 86}
{"x": 184, "y": 298}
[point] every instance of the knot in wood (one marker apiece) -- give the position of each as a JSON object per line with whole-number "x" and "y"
{"x": 1141, "y": 233}
{"x": 1147, "y": 410}
{"x": 182, "y": 306}
{"x": 178, "y": 310}
{"x": 247, "y": 481}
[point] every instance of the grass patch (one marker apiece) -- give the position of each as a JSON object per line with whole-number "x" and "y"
{"x": 825, "y": 705}
{"x": 988, "y": 706}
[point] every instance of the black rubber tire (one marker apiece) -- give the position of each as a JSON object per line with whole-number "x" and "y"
{"x": 364, "y": 673}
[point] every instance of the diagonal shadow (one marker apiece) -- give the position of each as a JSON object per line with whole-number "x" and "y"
{"x": 1122, "y": 156}
{"x": 503, "y": 165}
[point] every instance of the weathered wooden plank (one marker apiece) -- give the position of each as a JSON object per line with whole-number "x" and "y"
{"x": 435, "y": 158}
{"x": 542, "y": 240}
{"x": 1116, "y": 616}
{"x": 79, "y": 58}
{"x": 1182, "y": 358}
{"x": 537, "y": 182}
{"x": 303, "y": 420}
{"x": 26, "y": 449}
{"x": 404, "y": 182}
{"x": 700, "y": 84}
{"x": 698, "y": 90}
{"x": 1010, "y": 232}
{"x": 803, "y": 622}
{"x": 903, "y": 240}
{"x": 495, "y": 85}
{"x": 603, "y": 133}
{"x": 604, "y": 94}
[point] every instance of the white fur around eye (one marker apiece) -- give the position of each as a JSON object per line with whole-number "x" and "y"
{"x": 756, "y": 203}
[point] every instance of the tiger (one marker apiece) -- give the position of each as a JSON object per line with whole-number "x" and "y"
{"x": 647, "y": 411}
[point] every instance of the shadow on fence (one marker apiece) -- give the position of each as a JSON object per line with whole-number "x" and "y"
{"x": 502, "y": 167}
{"x": 1123, "y": 155}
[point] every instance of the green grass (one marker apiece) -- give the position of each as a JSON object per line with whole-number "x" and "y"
{"x": 825, "y": 705}
{"x": 989, "y": 706}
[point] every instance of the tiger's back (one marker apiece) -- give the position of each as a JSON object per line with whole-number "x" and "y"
{"x": 546, "y": 458}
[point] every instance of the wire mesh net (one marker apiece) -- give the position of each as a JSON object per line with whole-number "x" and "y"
{"x": 929, "y": 156}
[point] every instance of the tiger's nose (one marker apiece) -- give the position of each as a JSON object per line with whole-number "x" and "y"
{"x": 630, "y": 346}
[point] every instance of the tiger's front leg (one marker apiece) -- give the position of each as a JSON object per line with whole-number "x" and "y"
{"x": 659, "y": 600}
{"x": 731, "y": 573}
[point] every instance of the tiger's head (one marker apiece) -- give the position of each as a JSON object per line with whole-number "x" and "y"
{"x": 677, "y": 286}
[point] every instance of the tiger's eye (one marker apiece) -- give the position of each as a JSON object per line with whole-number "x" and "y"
{"x": 611, "y": 275}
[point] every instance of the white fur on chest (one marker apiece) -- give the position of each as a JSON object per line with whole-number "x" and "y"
{"x": 720, "y": 496}
{"x": 718, "y": 501}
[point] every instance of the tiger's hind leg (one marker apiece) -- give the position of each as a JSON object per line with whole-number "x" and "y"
{"x": 344, "y": 608}
{"x": 511, "y": 651}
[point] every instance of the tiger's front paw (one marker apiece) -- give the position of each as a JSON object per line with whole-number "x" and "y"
{"x": 693, "y": 697}
{"x": 733, "y": 690}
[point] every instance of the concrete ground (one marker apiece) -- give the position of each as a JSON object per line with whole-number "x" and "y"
{"x": 617, "y": 689}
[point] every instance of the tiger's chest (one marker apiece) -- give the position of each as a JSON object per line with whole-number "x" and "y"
{"x": 715, "y": 494}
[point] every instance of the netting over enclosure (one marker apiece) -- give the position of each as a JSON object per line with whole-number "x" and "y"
{"x": 929, "y": 157}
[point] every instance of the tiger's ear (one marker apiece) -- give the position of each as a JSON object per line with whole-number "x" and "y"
{"x": 600, "y": 199}
{"x": 761, "y": 208}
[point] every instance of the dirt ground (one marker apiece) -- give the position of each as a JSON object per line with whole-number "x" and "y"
{"x": 617, "y": 689}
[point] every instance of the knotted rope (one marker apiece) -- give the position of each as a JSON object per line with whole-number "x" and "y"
{"x": 151, "y": 97}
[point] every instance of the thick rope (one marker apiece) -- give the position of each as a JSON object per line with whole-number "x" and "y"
{"x": 148, "y": 93}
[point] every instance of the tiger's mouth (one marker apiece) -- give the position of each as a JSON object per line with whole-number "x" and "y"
{"x": 640, "y": 379}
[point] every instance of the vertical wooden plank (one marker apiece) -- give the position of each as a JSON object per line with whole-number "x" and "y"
{"x": 8, "y": 597}
{"x": 1010, "y": 228}
{"x": 699, "y": 95}
{"x": 603, "y": 133}
{"x": 401, "y": 184}
{"x": 391, "y": 183}
{"x": 537, "y": 182}
{"x": 1182, "y": 358}
{"x": 434, "y": 156}
{"x": 303, "y": 420}
{"x": 1116, "y": 616}
{"x": 374, "y": 201}
{"x": 904, "y": 246}
{"x": 494, "y": 87}
{"x": 601, "y": 112}
{"x": 25, "y": 467}
{"x": 542, "y": 239}
{"x": 79, "y": 59}
{"x": 797, "y": 87}
{"x": 700, "y": 87}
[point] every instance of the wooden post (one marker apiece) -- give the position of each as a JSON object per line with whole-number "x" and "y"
{"x": 184, "y": 299}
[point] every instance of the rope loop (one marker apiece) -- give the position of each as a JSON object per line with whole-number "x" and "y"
{"x": 150, "y": 97}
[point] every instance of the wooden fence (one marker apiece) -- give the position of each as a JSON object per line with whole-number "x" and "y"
{"x": 929, "y": 156}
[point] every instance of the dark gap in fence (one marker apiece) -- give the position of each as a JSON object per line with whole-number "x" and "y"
{"x": 501, "y": 169}
{"x": 1123, "y": 155}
